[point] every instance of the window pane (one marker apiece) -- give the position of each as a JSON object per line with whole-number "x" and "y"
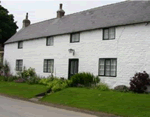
{"x": 113, "y": 73}
{"x": 108, "y": 67}
{"x": 112, "y": 33}
{"x": 101, "y": 72}
{"x": 50, "y": 41}
{"x": 107, "y": 73}
{"x": 52, "y": 66}
{"x": 20, "y": 44}
{"x": 49, "y": 65}
{"x": 19, "y": 64}
{"x": 105, "y": 33}
{"x": 75, "y": 37}
{"x": 45, "y": 65}
{"x": 113, "y": 67}
{"x": 101, "y": 67}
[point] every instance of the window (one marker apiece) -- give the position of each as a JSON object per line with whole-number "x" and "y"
{"x": 49, "y": 65}
{"x": 108, "y": 33}
{"x": 49, "y": 41}
{"x": 20, "y": 44}
{"x": 19, "y": 64}
{"x": 75, "y": 37}
{"x": 108, "y": 67}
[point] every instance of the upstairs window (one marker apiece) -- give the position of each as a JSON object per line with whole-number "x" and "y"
{"x": 49, "y": 41}
{"x": 19, "y": 64}
{"x": 75, "y": 37}
{"x": 108, "y": 67}
{"x": 48, "y": 65}
{"x": 20, "y": 44}
{"x": 108, "y": 33}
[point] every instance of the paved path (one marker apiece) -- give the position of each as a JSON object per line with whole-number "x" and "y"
{"x": 17, "y": 108}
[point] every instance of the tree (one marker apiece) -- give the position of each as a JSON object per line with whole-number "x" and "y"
{"x": 7, "y": 25}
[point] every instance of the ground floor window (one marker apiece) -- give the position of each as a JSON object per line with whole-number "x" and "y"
{"x": 108, "y": 67}
{"x": 49, "y": 65}
{"x": 19, "y": 64}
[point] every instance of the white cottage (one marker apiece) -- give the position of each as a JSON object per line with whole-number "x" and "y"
{"x": 111, "y": 41}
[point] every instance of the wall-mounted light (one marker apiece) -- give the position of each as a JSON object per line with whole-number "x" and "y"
{"x": 71, "y": 51}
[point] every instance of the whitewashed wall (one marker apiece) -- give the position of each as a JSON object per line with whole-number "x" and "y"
{"x": 131, "y": 48}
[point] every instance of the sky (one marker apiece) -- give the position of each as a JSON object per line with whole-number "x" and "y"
{"x": 40, "y": 10}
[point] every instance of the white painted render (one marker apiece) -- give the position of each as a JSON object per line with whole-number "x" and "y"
{"x": 131, "y": 47}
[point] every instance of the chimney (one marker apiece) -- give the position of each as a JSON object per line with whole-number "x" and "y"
{"x": 60, "y": 12}
{"x": 26, "y": 22}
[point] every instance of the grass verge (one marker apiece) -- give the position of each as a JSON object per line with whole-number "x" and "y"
{"x": 22, "y": 90}
{"x": 119, "y": 103}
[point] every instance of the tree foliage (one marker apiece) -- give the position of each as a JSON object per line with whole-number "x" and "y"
{"x": 8, "y": 26}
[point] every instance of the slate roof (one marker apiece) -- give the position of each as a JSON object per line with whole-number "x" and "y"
{"x": 122, "y": 13}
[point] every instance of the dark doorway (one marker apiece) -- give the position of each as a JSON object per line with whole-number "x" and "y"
{"x": 73, "y": 67}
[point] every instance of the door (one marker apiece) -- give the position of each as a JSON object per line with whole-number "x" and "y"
{"x": 73, "y": 67}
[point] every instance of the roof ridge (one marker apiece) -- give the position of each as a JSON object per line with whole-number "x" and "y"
{"x": 81, "y": 11}
{"x": 97, "y": 7}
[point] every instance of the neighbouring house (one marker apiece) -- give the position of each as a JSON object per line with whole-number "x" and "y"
{"x": 111, "y": 41}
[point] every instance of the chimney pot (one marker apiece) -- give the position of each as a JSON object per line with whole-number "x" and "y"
{"x": 60, "y": 12}
{"x": 60, "y": 6}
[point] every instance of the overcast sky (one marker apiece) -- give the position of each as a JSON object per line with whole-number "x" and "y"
{"x": 40, "y": 10}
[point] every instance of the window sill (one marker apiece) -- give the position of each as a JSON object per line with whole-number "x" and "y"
{"x": 109, "y": 39}
{"x": 107, "y": 76}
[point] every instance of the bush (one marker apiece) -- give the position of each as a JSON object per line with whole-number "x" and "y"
{"x": 139, "y": 81}
{"x": 8, "y": 78}
{"x": 102, "y": 87}
{"x": 45, "y": 81}
{"x": 58, "y": 84}
{"x": 3, "y": 78}
{"x": 122, "y": 88}
{"x": 33, "y": 80}
{"x": 86, "y": 79}
{"x": 5, "y": 69}
{"x": 25, "y": 74}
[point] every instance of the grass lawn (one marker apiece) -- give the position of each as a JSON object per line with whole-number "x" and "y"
{"x": 21, "y": 89}
{"x": 124, "y": 104}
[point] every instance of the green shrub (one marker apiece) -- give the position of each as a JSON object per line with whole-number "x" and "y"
{"x": 33, "y": 80}
{"x": 102, "y": 87}
{"x": 58, "y": 84}
{"x": 27, "y": 73}
{"x": 56, "y": 87}
{"x": 86, "y": 79}
{"x": 6, "y": 68}
{"x": 8, "y": 78}
{"x": 45, "y": 81}
{"x": 3, "y": 78}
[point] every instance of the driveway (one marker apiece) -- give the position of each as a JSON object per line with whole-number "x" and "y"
{"x": 17, "y": 108}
